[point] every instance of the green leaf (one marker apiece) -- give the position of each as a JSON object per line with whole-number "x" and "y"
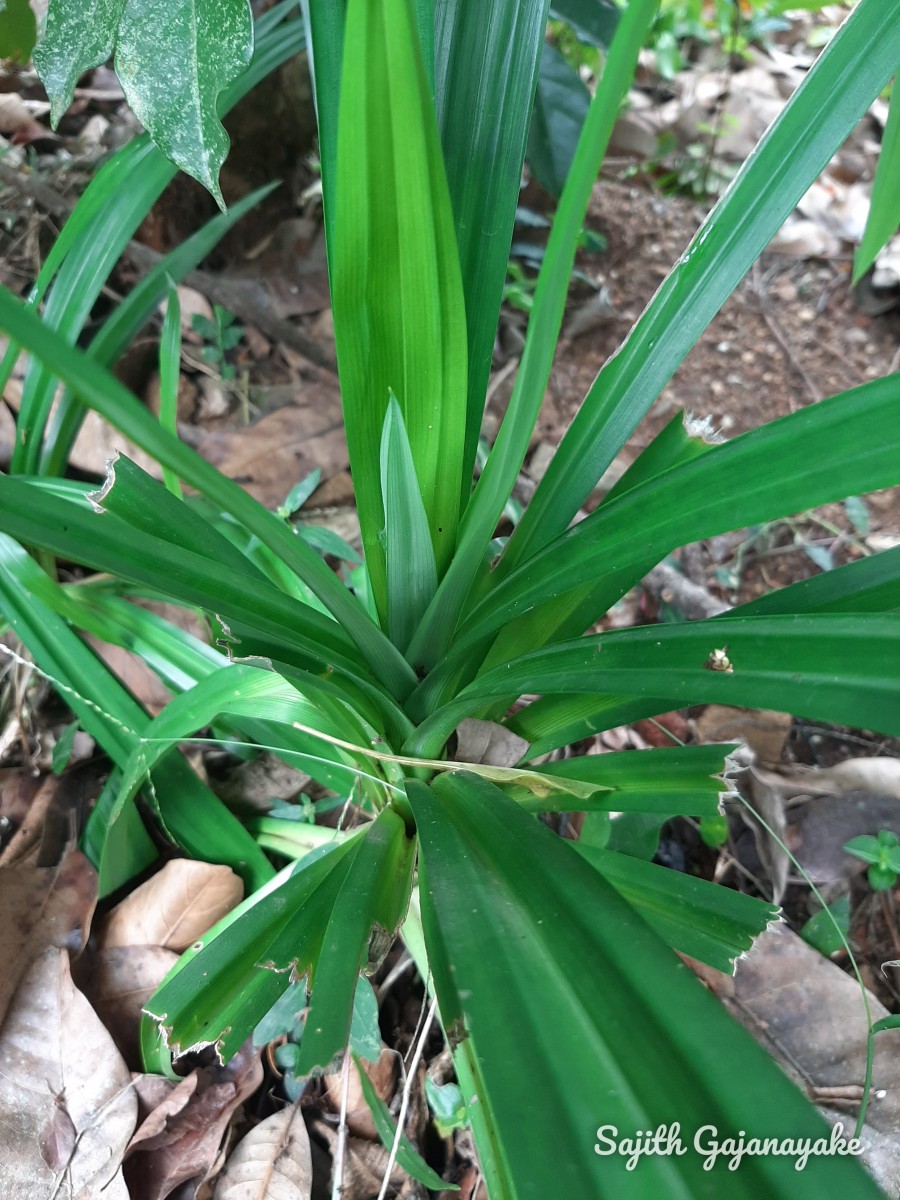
{"x": 284, "y": 1017}
{"x": 367, "y": 913}
{"x": 593, "y": 21}
{"x": 845, "y": 444}
{"x": 18, "y": 30}
{"x": 170, "y": 377}
{"x": 829, "y": 929}
{"x": 858, "y": 513}
{"x": 884, "y": 210}
{"x": 324, "y": 25}
{"x": 245, "y": 962}
{"x": 62, "y": 751}
{"x": 676, "y": 781}
{"x": 396, "y": 287}
{"x": 115, "y": 202}
{"x": 447, "y": 1104}
{"x": 173, "y": 62}
{"x": 713, "y": 924}
{"x": 823, "y": 666}
{"x": 504, "y": 463}
{"x": 560, "y": 107}
{"x": 365, "y": 1035}
{"x": 79, "y": 35}
{"x": 870, "y": 584}
{"x": 411, "y": 574}
{"x": 838, "y": 89}
{"x": 407, "y": 1156}
{"x": 193, "y": 816}
{"x": 541, "y": 969}
{"x": 101, "y": 391}
{"x": 300, "y": 493}
{"x": 486, "y": 67}
{"x": 866, "y": 847}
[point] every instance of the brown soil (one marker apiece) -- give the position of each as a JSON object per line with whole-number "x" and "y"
{"x": 790, "y": 335}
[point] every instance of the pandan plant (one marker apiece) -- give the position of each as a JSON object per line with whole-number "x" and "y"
{"x": 552, "y": 963}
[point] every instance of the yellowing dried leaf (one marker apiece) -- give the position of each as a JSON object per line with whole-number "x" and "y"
{"x": 66, "y": 1103}
{"x": 175, "y": 907}
{"x": 273, "y": 1162}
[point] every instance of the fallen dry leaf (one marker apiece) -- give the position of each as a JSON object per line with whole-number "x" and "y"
{"x": 268, "y": 458}
{"x": 878, "y": 775}
{"x": 763, "y": 730}
{"x": 41, "y": 907}
{"x": 184, "y": 1141}
{"x": 383, "y": 1075}
{"x": 121, "y": 981}
{"x": 811, "y": 1015}
{"x": 365, "y": 1164}
{"x": 824, "y": 824}
{"x": 488, "y": 743}
{"x": 174, "y": 907}
{"x": 273, "y": 1162}
{"x": 66, "y": 1101}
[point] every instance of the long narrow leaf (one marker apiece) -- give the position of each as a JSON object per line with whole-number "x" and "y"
{"x": 884, "y": 211}
{"x": 367, "y": 913}
{"x": 497, "y": 479}
{"x": 842, "y": 446}
{"x": 411, "y": 574}
{"x": 486, "y": 64}
{"x": 396, "y": 286}
{"x": 107, "y": 215}
{"x": 848, "y": 75}
{"x": 824, "y": 666}
{"x": 127, "y": 319}
{"x": 101, "y": 391}
{"x": 543, "y": 969}
{"x": 694, "y": 916}
{"x": 193, "y": 816}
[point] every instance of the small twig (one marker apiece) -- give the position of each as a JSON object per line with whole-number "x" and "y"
{"x": 337, "y": 1188}
{"x": 689, "y": 598}
{"x": 407, "y": 1090}
{"x": 500, "y": 377}
{"x": 398, "y": 969}
{"x": 765, "y": 307}
{"x": 247, "y": 299}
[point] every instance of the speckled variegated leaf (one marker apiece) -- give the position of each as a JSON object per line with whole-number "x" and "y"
{"x": 79, "y": 34}
{"x": 173, "y": 58}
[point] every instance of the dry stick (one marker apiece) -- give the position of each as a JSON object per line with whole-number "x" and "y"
{"x": 245, "y": 298}
{"x": 337, "y": 1188}
{"x": 404, "y": 1103}
{"x": 790, "y": 354}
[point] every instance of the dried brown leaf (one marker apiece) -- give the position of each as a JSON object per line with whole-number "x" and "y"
{"x": 41, "y": 907}
{"x": 184, "y": 1141}
{"x": 173, "y": 908}
{"x": 383, "y": 1076}
{"x": 122, "y": 980}
{"x": 283, "y": 446}
{"x": 66, "y": 1101}
{"x": 273, "y": 1162}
